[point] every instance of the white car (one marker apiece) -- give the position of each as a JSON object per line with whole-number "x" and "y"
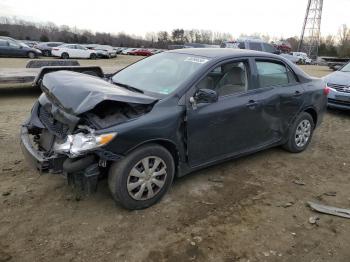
{"x": 292, "y": 58}
{"x": 73, "y": 51}
{"x": 128, "y": 50}
{"x": 303, "y": 56}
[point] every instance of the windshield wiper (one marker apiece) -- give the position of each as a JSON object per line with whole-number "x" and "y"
{"x": 131, "y": 88}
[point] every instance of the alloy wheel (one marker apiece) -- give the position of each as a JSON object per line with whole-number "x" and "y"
{"x": 303, "y": 132}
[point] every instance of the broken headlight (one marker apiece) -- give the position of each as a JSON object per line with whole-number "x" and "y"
{"x": 80, "y": 143}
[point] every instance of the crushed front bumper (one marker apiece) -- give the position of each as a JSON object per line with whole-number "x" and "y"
{"x": 36, "y": 158}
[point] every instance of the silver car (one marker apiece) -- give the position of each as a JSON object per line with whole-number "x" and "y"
{"x": 339, "y": 84}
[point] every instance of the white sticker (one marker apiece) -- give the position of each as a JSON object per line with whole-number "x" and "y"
{"x": 197, "y": 60}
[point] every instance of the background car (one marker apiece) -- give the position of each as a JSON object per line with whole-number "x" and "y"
{"x": 256, "y": 44}
{"x": 303, "y": 57}
{"x": 46, "y": 47}
{"x": 102, "y": 51}
{"x": 339, "y": 84}
{"x": 73, "y": 51}
{"x": 283, "y": 46}
{"x": 293, "y": 59}
{"x": 10, "y": 47}
{"x": 29, "y": 43}
{"x": 128, "y": 51}
{"x": 141, "y": 52}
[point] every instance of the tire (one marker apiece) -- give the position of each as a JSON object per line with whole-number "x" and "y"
{"x": 31, "y": 55}
{"x": 93, "y": 56}
{"x": 300, "y": 133}
{"x": 137, "y": 195}
{"x": 46, "y": 53}
{"x": 64, "y": 55}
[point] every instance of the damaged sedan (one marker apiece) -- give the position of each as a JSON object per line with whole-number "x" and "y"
{"x": 169, "y": 115}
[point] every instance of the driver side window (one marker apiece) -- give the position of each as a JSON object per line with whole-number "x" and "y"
{"x": 226, "y": 79}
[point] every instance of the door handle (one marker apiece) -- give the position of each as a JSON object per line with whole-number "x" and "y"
{"x": 297, "y": 93}
{"x": 252, "y": 104}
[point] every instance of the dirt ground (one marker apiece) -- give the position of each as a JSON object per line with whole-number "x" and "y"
{"x": 250, "y": 209}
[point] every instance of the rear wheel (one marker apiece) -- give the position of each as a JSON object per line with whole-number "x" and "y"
{"x": 93, "y": 56}
{"x": 31, "y": 55}
{"x": 46, "y": 53}
{"x": 65, "y": 55}
{"x": 143, "y": 177}
{"x": 301, "y": 133}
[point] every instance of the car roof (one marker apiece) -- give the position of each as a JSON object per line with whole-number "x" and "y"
{"x": 222, "y": 52}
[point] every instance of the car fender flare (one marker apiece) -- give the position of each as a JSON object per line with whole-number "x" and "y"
{"x": 167, "y": 143}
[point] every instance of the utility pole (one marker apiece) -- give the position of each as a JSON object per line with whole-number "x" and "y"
{"x": 310, "y": 33}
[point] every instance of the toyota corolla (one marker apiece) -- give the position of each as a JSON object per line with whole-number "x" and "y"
{"x": 168, "y": 115}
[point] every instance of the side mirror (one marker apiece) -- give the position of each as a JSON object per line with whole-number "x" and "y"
{"x": 204, "y": 95}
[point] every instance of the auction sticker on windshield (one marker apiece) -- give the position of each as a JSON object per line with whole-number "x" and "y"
{"x": 196, "y": 60}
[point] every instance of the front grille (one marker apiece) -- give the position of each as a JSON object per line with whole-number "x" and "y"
{"x": 340, "y": 88}
{"x": 58, "y": 129}
{"x": 339, "y": 102}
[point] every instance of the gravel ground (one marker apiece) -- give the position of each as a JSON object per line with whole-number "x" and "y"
{"x": 250, "y": 209}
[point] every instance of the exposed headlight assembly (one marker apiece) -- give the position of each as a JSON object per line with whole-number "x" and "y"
{"x": 78, "y": 144}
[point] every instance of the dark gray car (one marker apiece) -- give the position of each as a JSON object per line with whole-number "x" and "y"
{"x": 168, "y": 115}
{"x": 10, "y": 47}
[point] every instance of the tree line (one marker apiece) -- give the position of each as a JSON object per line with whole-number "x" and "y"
{"x": 332, "y": 45}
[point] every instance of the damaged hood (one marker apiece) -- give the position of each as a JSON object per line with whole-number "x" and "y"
{"x": 77, "y": 93}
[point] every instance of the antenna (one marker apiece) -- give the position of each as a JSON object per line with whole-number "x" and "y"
{"x": 310, "y": 34}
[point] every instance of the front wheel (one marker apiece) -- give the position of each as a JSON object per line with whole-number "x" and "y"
{"x": 65, "y": 56}
{"x": 31, "y": 55}
{"x": 93, "y": 56}
{"x": 143, "y": 177}
{"x": 301, "y": 133}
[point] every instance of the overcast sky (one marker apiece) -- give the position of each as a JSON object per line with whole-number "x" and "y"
{"x": 274, "y": 17}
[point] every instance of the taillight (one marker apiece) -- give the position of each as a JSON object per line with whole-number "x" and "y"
{"x": 56, "y": 49}
{"x": 326, "y": 90}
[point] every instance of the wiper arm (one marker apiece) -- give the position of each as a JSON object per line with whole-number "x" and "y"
{"x": 131, "y": 88}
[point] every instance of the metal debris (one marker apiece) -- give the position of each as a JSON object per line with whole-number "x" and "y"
{"x": 289, "y": 204}
{"x": 335, "y": 211}
{"x": 299, "y": 182}
{"x": 332, "y": 193}
{"x": 216, "y": 179}
{"x": 314, "y": 220}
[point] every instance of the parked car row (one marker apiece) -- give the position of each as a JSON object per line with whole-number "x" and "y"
{"x": 138, "y": 51}
{"x": 258, "y": 44}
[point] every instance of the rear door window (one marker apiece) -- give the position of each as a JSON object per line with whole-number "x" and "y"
{"x": 272, "y": 73}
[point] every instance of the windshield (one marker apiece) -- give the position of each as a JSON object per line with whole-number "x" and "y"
{"x": 162, "y": 73}
{"x": 346, "y": 68}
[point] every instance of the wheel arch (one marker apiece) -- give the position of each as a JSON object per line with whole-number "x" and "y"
{"x": 167, "y": 144}
{"x": 313, "y": 113}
